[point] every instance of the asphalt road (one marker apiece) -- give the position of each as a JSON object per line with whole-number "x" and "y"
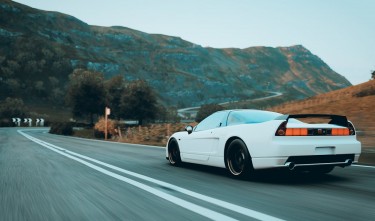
{"x": 50, "y": 177}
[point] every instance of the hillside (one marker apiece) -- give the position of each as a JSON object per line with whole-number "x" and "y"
{"x": 355, "y": 102}
{"x": 39, "y": 49}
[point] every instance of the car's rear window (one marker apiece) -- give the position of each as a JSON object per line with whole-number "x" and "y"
{"x": 250, "y": 117}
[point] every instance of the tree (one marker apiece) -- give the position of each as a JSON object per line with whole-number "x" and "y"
{"x": 207, "y": 110}
{"x": 373, "y": 75}
{"x": 86, "y": 93}
{"x": 139, "y": 102}
{"x": 12, "y": 107}
{"x": 115, "y": 87}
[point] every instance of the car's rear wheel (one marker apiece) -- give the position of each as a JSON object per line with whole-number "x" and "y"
{"x": 238, "y": 160}
{"x": 174, "y": 153}
{"x": 321, "y": 169}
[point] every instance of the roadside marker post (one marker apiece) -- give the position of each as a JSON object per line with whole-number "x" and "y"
{"x": 30, "y": 121}
{"x": 18, "y": 121}
{"x": 41, "y": 123}
{"x": 37, "y": 122}
{"x": 107, "y": 112}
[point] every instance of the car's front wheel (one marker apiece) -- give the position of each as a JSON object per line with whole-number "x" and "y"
{"x": 238, "y": 160}
{"x": 174, "y": 153}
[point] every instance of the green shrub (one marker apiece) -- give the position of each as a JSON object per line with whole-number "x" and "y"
{"x": 6, "y": 123}
{"x": 62, "y": 128}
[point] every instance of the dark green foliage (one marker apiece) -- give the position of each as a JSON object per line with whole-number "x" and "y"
{"x": 167, "y": 114}
{"x": 139, "y": 102}
{"x": 373, "y": 75}
{"x": 12, "y": 107}
{"x": 6, "y": 123}
{"x": 27, "y": 67}
{"x": 61, "y": 128}
{"x": 115, "y": 87}
{"x": 207, "y": 110}
{"x": 86, "y": 93}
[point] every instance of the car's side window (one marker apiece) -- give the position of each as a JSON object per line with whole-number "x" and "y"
{"x": 213, "y": 121}
{"x": 235, "y": 118}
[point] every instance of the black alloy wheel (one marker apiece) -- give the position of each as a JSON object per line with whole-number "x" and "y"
{"x": 238, "y": 160}
{"x": 174, "y": 153}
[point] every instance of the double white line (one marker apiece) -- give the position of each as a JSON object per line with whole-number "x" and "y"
{"x": 183, "y": 203}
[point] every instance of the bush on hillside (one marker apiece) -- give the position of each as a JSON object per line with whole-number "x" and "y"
{"x": 61, "y": 128}
{"x": 206, "y": 110}
{"x": 366, "y": 92}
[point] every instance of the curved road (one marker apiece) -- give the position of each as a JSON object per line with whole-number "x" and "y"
{"x": 50, "y": 177}
{"x": 190, "y": 110}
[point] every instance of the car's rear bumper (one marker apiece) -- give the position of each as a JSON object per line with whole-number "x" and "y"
{"x": 307, "y": 160}
{"x": 307, "y": 151}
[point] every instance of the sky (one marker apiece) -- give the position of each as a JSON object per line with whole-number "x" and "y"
{"x": 340, "y": 32}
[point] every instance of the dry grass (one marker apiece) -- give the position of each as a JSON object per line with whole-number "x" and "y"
{"x": 155, "y": 134}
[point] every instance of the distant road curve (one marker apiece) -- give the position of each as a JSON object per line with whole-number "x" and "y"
{"x": 183, "y": 111}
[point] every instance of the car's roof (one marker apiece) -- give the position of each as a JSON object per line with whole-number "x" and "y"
{"x": 251, "y": 110}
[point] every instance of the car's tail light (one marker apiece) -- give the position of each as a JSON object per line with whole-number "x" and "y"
{"x": 351, "y": 128}
{"x": 281, "y": 130}
{"x": 296, "y": 132}
{"x": 340, "y": 132}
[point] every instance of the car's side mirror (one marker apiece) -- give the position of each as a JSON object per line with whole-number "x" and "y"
{"x": 189, "y": 129}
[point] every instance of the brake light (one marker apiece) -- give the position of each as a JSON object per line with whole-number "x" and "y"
{"x": 340, "y": 132}
{"x": 283, "y": 131}
{"x": 296, "y": 132}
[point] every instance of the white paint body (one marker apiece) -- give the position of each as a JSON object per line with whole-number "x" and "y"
{"x": 266, "y": 150}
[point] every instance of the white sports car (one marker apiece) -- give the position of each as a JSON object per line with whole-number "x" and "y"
{"x": 247, "y": 140}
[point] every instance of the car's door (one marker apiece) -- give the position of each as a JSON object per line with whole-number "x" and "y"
{"x": 200, "y": 143}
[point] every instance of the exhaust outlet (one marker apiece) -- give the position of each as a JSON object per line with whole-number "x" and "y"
{"x": 290, "y": 165}
{"x": 348, "y": 162}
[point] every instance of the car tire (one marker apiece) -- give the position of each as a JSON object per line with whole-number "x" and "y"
{"x": 174, "y": 156}
{"x": 238, "y": 160}
{"x": 321, "y": 169}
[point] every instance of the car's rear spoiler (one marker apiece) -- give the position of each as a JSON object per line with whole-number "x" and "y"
{"x": 335, "y": 119}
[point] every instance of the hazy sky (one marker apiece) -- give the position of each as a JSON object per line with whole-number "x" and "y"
{"x": 341, "y": 32}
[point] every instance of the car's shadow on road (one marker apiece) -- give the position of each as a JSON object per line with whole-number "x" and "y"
{"x": 281, "y": 176}
{"x": 272, "y": 176}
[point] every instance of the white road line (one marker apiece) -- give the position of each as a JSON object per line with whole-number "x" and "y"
{"x": 238, "y": 209}
{"x": 183, "y": 203}
{"x": 365, "y": 166}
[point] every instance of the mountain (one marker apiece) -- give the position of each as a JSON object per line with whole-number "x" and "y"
{"x": 39, "y": 49}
